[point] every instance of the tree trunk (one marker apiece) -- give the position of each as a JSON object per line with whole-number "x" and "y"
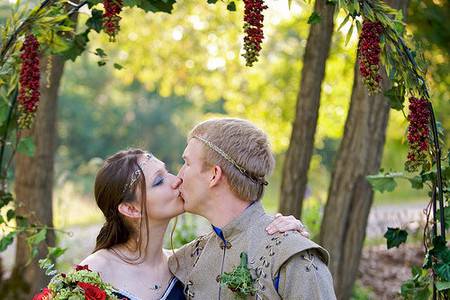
{"x": 34, "y": 179}
{"x": 298, "y": 156}
{"x": 350, "y": 195}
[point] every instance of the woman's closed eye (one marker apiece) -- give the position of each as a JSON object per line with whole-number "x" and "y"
{"x": 158, "y": 181}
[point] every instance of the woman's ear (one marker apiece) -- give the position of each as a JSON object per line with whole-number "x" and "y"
{"x": 129, "y": 210}
{"x": 215, "y": 176}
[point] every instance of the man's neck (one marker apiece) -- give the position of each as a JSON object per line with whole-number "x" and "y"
{"x": 224, "y": 209}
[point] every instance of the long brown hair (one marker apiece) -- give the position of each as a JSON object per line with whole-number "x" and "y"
{"x": 111, "y": 189}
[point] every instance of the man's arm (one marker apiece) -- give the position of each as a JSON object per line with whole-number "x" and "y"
{"x": 184, "y": 259}
{"x": 305, "y": 276}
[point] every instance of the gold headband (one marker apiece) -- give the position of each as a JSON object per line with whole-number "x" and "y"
{"x": 255, "y": 179}
{"x": 136, "y": 174}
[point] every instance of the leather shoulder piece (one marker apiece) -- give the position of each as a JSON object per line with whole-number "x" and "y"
{"x": 292, "y": 243}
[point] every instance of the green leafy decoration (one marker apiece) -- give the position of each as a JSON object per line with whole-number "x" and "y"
{"x": 77, "y": 46}
{"x": 395, "y": 237}
{"x": 442, "y": 285}
{"x": 212, "y": 1}
{"x": 5, "y": 199}
{"x": 95, "y": 22}
{"x": 21, "y": 222}
{"x": 383, "y": 182}
{"x": 7, "y": 240}
{"x": 34, "y": 240}
{"x": 446, "y": 216}
{"x": 4, "y": 109}
{"x": 10, "y": 215}
{"x": 416, "y": 182}
{"x": 92, "y": 3}
{"x": 314, "y": 18}
{"x": 55, "y": 252}
{"x": 100, "y": 52}
{"x": 239, "y": 280}
{"x": 349, "y": 34}
{"x": 439, "y": 247}
{"x": 26, "y": 146}
{"x": 417, "y": 287}
{"x": 396, "y": 97}
{"x": 153, "y": 5}
{"x": 443, "y": 271}
{"x": 231, "y": 6}
{"x": 344, "y": 22}
{"x": 442, "y": 255}
{"x": 118, "y": 66}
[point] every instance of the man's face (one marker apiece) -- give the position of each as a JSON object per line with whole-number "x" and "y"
{"x": 195, "y": 186}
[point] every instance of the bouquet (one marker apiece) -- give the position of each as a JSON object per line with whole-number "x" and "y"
{"x": 80, "y": 284}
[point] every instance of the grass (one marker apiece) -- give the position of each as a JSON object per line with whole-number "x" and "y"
{"x": 73, "y": 208}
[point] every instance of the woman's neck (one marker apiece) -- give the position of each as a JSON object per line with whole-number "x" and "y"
{"x": 151, "y": 245}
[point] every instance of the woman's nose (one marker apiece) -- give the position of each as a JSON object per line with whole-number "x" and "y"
{"x": 178, "y": 181}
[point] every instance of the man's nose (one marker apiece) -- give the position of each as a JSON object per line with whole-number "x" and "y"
{"x": 177, "y": 183}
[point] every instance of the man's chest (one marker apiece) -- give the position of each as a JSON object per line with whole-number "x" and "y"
{"x": 216, "y": 258}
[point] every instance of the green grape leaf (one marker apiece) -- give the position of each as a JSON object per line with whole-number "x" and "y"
{"x": 383, "y": 182}
{"x": 442, "y": 285}
{"x": 37, "y": 238}
{"x": 95, "y": 22}
{"x": 118, "y": 66}
{"x": 314, "y": 18}
{"x": 7, "y": 240}
{"x": 77, "y": 47}
{"x": 396, "y": 97}
{"x": 395, "y": 237}
{"x": 26, "y": 146}
{"x": 231, "y": 6}
{"x": 10, "y": 215}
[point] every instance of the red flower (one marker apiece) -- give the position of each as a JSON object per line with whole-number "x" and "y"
{"x": 418, "y": 132}
{"x": 44, "y": 295}
{"x": 253, "y": 24}
{"x": 29, "y": 80}
{"x": 92, "y": 292}
{"x": 79, "y": 267}
{"x": 111, "y": 17}
{"x": 369, "y": 55}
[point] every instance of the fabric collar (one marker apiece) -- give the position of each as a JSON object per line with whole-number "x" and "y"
{"x": 240, "y": 223}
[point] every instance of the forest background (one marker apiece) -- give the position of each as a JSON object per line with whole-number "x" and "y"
{"x": 173, "y": 71}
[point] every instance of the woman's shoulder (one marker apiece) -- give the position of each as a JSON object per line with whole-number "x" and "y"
{"x": 98, "y": 261}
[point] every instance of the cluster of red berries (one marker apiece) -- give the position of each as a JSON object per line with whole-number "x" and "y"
{"x": 253, "y": 24}
{"x": 111, "y": 17}
{"x": 29, "y": 80}
{"x": 418, "y": 133}
{"x": 369, "y": 55}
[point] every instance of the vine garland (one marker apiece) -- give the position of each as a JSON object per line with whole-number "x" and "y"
{"x": 48, "y": 30}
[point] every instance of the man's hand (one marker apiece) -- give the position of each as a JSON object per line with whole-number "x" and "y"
{"x": 286, "y": 223}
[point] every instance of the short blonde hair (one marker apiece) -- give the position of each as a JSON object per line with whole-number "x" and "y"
{"x": 244, "y": 144}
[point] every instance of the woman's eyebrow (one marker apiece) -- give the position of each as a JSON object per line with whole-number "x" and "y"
{"x": 160, "y": 171}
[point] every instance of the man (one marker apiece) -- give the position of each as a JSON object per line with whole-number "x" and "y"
{"x": 227, "y": 162}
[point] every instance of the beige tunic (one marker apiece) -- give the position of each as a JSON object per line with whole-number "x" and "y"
{"x": 299, "y": 263}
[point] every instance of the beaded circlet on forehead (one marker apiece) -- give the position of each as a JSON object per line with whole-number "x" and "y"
{"x": 136, "y": 174}
{"x": 242, "y": 170}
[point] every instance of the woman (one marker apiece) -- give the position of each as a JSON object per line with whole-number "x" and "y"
{"x": 138, "y": 197}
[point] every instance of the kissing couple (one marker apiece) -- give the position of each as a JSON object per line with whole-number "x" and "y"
{"x": 247, "y": 254}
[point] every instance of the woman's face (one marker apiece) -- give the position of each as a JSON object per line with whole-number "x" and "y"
{"x": 163, "y": 197}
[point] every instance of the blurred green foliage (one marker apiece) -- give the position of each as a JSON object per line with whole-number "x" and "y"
{"x": 179, "y": 69}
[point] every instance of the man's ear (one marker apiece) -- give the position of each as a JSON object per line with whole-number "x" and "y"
{"x": 215, "y": 176}
{"x": 129, "y": 210}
